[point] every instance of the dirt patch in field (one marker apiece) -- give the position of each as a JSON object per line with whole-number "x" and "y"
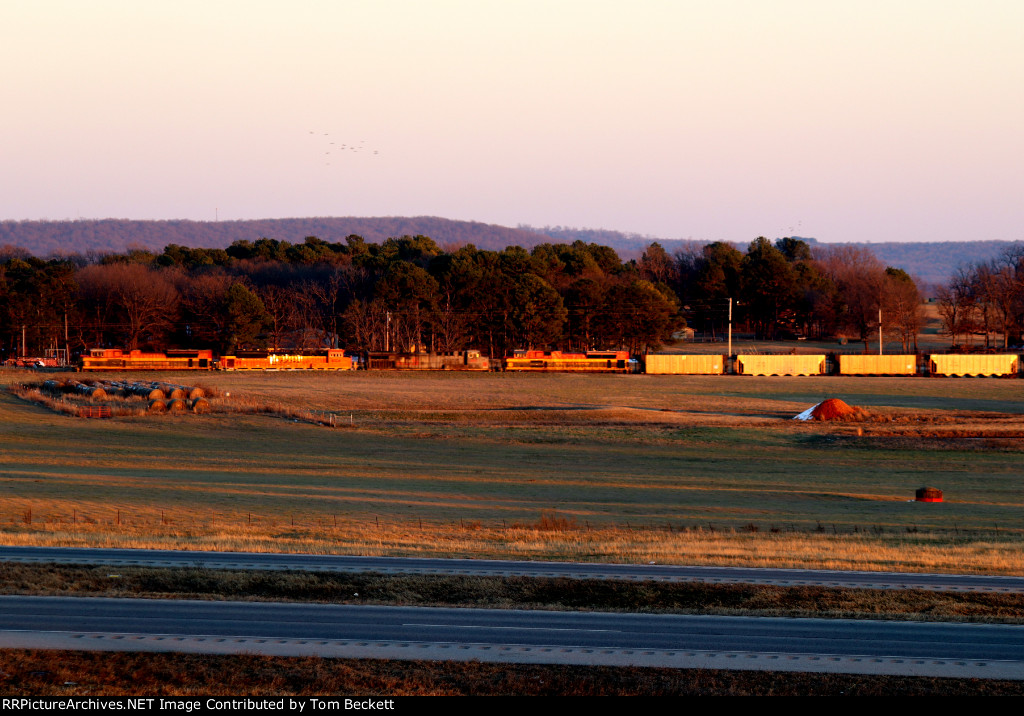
{"x": 598, "y": 416}
{"x": 834, "y": 409}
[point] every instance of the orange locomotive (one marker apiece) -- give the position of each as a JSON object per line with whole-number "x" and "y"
{"x": 117, "y": 359}
{"x": 330, "y": 359}
{"x": 463, "y": 360}
{"x": 589, "y": 362}
{"x": 100, "y": 359}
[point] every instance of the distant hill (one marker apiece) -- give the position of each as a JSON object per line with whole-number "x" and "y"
{"x": 100, "y": 236}
{"x": 936, "y": 261}
{"x": 933, "y": 262}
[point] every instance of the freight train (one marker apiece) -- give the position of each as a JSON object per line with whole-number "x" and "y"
{"x": 110, "y": 359}
{"x": 937, "y": 364}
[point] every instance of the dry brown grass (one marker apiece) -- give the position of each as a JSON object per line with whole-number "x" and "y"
{"x": 640, "y": 468}
{"x": 547, "y": 540}
{"x": 80, "y": 673}
{"x": 511, "y": 593}
{"x": 69, "y": 403}
{"x": 248, "y": 405}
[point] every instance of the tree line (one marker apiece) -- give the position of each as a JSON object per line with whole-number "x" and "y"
{"x": 984, "y": 302}
{"x": 403, "y": 294}
{"x": 407, "y": 293}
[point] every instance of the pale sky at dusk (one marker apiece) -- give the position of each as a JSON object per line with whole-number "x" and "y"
{"x": 844, "y": 121}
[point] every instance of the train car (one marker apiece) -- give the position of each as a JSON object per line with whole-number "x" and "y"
{"x": 780, "y": 364}
{"x": 330, "y": 359}
{"x": 895, "y": 364}
{"x": 662, "y": 364}
{"x": 463, "y": 360}
{"x": 31, "y": 362}
{"x": 974, "y": 364}
{"x": 99, "y": 359}
{"x": 589, "y": 362}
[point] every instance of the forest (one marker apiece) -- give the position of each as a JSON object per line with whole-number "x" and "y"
{"x": 408, "y": 294}
{"x": 932, "y": 261}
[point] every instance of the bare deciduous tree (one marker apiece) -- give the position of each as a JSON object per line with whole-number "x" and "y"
{"x": 144, "y": 300}
{"x": 956, "y": 304}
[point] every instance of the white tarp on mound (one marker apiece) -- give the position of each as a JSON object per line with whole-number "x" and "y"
{"x": 807, "y": 414}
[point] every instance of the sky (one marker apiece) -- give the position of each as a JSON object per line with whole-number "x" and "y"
{"x": 727, "y": 120}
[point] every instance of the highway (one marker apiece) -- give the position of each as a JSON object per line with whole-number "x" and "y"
{"x": 398, "y": 565}
{"x": 679, "y": 641}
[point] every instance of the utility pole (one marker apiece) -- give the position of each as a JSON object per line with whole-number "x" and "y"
{"x": 729, "y": 356}
{"x": 879, "y": 330}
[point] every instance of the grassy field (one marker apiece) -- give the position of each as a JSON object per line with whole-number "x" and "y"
{"x": 601, "y": 467}
{"x": 543, "y": 593}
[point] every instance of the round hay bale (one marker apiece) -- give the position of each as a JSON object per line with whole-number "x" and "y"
{"x": 200, "y": 405}
{"x": 174, "y": 392}
{"x": 157, "y": 406}
{"x": 195, "y": 393}
{"x": 51, "y": 386}
{"x": 95, "y": 393}
{"x": 114, "y": 390}
{"x": 832, "y": 409}
{"x": 928, "y": 494}
{"x": 148, "y": 393}
{"x": 177, "y": 406}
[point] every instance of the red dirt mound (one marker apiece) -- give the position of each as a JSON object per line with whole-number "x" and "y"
{"x": 831, "y": 409}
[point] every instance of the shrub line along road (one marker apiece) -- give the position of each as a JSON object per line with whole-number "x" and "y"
{"x": 492, "y": 567}
{"x": 679, "y": 641}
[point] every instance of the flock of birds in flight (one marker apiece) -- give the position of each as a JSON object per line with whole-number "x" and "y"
{"x": 340, "y": 149}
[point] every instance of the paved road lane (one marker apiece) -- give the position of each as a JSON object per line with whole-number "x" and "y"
{"x": 977, "y": 650}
